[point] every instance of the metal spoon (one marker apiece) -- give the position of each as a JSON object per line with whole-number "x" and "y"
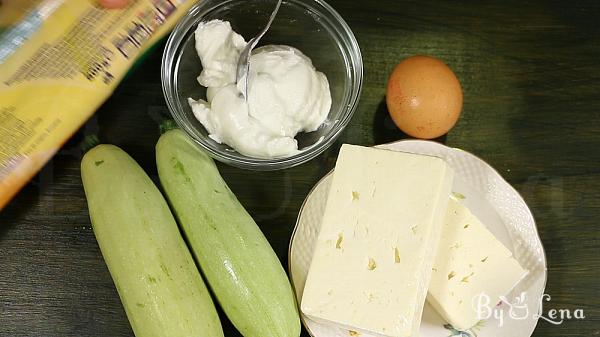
{"x": 243, "y": 66}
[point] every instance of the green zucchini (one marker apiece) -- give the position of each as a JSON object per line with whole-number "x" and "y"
{"x": 240, "y": 266}
{"x": 154, "y": 273}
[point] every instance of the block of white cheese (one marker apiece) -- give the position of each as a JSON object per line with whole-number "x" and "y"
{"x": 470, "y": 263}
{"x": 380, "y": 230}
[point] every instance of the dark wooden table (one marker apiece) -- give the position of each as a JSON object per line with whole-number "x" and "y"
{"x": 530, "y": 71}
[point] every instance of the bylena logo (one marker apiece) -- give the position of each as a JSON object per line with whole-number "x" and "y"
{"x": 519, "y": 310}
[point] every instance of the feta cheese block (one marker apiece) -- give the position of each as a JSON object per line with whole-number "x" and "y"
{"x": 470, "y": 262}
{"x": 380, "y": 230}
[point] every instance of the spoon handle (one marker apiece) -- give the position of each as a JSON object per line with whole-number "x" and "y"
{"x": 243, "y": 66}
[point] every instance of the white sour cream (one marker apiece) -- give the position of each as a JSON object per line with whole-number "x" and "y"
{"x": 286, "y": 94}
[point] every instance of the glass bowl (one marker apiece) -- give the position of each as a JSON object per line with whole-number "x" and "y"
{"x": 312, "y": 26}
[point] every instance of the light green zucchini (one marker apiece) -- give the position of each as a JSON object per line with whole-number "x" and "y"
{"x": 239, "y": 264}
{"x": 154, "y": 273}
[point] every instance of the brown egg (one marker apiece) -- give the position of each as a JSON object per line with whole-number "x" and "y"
{"x": 424, "y": 97}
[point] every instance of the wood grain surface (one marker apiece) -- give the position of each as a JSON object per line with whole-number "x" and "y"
{"x": 530, "y": 72}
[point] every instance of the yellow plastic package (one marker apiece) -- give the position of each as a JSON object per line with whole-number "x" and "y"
{"x": 59, "y": 61}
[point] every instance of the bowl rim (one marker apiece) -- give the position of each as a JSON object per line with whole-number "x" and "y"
{"x": 170, "y": 61}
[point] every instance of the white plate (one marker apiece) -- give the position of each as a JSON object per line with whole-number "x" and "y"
{"x": 490, "y": 198}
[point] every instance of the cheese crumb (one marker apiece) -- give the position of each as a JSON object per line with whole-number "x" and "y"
{"x": 458, "y": 196}
{"x": 338, "y": 243}
{"x": 396, "y": 255}
{"x": 355, "y": 195}
{"x": 372, "y": 265}
{"x": 451, "y": 275}
{"x": 466, "y": 278}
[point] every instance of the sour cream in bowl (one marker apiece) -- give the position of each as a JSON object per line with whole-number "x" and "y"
{"x": 286, "y": 94}
{"x": 303, "y": 86}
